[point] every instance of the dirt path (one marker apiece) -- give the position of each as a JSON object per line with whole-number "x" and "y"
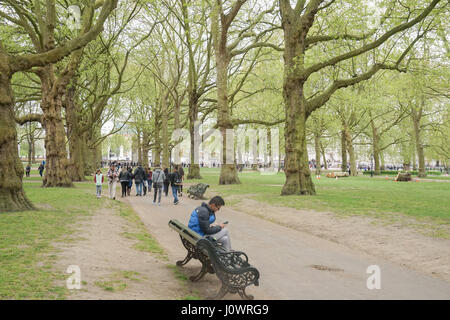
{"x": 110, "y": 267}
{"x": 295, "y": 264}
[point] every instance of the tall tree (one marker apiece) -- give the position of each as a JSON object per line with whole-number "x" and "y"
{"x": 12, "y": 196}
{"x": 318, "y": 24}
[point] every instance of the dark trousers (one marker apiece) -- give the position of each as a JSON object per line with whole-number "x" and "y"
{"x": 124, "y": 185}
{"x": 166, "y": 189}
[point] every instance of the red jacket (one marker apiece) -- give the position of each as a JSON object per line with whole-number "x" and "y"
{"x": 95, "y": 178}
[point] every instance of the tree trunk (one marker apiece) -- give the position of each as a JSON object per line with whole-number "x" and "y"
{"x": 228, "y": 172}
{"x": 157, "y": 148}
{"x": 298, "y": 175}
{"x": 165, "y": 133}
{"x": 322, "y": 150}
{"x": 416, "y": 116}
{"x": 343, "y": 152}
{"x": 56, "y": 167}
{"x": 194, "y": 168}
{"x": 317, "y": 150}
{"x": 33, "y": 150}
{"x": 351, "y": 152}
{"x": 145, "y": 148}
{"x": 382, "y": 164}
{"x": 30, "y": 144}
{"x": 12, "y": 195}
{"x": 376, "y": 146}
{"x": 74, "y": 136}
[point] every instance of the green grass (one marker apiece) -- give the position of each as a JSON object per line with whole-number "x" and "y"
{"x": 26, "y": 252}
{"x": 118, "y": 280}
{"x": 353, "y": 195}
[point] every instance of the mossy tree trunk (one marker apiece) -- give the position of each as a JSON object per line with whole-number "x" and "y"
{"x": 75, "y": 137}
{"x": 57, "y": 163}
{"x": 317, "y": 153}
{"x": 416, "y": 116}
{"x": 194, "y": 168}
{"x": 344, "y": 162}
{"x": 12, "y": 195}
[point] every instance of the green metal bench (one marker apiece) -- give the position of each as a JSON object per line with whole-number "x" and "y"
{"x": 231, "y": 267}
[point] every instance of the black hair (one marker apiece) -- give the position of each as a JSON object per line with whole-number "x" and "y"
{"x": 217, "y": 200}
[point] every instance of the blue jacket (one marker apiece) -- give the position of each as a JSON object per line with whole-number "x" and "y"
{"x": 200, "y": 220}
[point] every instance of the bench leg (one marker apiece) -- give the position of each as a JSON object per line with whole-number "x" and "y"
{"x": 186, "y": 260}
{"x": 222, "y": 292}
{"x": 244, "y": 295}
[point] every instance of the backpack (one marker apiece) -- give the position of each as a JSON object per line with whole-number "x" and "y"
{"x": 177, "y": 178}
{"x": 158, "y": 178}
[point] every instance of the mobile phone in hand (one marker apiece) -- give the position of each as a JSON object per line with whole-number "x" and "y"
{"x": 226, "y": 222}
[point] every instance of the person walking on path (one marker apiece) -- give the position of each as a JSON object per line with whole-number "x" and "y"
{"x": 166, "y": 181}
{"x": 130, "y": 181}
{"x": 158, "y": 181}
{"x": 149, "y": 179}
{"x": 27, "y": 170}
{"x": 145, "y": 184}
{"x": 139, "y": 177}
{"x": 202, "y": 221}
{"x": 99, "y": 179}
{"x": 41, "y": 168}
{"x": 180, "y": 186}
{"x": 175, "y": 180}
{"x": 123, "y": 178}
{"x": 112, "y": 181}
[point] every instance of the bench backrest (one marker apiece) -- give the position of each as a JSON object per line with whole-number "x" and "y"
{"x": 184, "y": 231}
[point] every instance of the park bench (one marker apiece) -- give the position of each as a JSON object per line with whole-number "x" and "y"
{"x": 231, "y": 267}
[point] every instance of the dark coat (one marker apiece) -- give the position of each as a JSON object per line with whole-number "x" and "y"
{"x": 139, "y": 175}
{"x": 173, "y": 177}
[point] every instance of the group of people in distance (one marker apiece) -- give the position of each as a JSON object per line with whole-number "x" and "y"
{"x": 202, "y": 219}
{"x": 144, "y": 180}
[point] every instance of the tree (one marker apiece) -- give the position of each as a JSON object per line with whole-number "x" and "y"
{"x": 12, "y": 196}
{"x": 309, "y": 49}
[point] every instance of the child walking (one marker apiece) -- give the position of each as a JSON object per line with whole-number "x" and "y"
{"x": 98, "y": 179}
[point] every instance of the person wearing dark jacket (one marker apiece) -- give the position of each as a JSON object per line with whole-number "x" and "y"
{"x": 123, "y": 178}
{"x": 202, "y": 221}
{"x": 139, "y": 177}
{"x": 180, "y": 186}
{"x": 145, "y": 182}
{"x": 130, "y": 180}
{"x": 166, "y": 181}
{"x": 175, "y": 180}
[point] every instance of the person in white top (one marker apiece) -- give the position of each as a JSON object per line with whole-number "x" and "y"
{"x": 98, "y": 179}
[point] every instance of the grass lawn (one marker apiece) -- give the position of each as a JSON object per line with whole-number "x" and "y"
{"x": 26, "y": 251}
{"x": 353, "y": 195}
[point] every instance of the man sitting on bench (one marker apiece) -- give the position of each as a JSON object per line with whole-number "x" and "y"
{"x": 203, "y": 217}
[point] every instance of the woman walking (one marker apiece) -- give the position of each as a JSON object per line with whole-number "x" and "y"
{"x": 158, "y": 180}
{"x": 112, "y": 181}
{"x": 149, "y": 179}
{"x": 130, "y": 181}
{"x": 166, "y": 181}
{"x": 175, "y": 180}
{"x": 123, "y": 178}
